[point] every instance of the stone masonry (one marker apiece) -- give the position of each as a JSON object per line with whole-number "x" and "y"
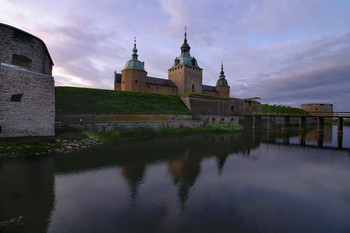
{"x": 27, "y": 96}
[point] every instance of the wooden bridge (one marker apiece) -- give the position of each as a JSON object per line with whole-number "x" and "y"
{"x": 320, "y": 116}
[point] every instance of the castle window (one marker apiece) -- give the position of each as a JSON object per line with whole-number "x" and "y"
{"x": 192, "y": 87}
{"x": 22, "y": 36}
{"x": 16, "y": 97}
{"x": 148, "y": 86}
{"x": 232, "y": 108}
{"x": 20, "y": 60}
{"x": 136, "y": 81}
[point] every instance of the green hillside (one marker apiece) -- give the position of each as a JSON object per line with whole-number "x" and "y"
{"x": 273, "y": 109}
{"x": 74, "y": 100}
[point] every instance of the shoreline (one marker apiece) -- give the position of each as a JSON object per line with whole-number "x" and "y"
{"x": 69, "y": 139}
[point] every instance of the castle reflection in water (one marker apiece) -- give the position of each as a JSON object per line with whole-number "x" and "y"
{"x": 28, "y": 184}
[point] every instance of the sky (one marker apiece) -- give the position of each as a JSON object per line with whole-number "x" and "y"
{"x": 286, "y": 52}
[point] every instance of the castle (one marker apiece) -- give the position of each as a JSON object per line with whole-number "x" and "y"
{"x": 185, "y": 76}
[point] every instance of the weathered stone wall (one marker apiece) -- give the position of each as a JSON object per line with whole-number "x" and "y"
{"x": 223, "y": 91}
{"x": 22, "y": 44}
{"x": 223, "y": 107}
{"x": 186, "y": 78}
{"x": 161, "y": 89}
{"x": 34, "y": 113}
{"x": 120, "y": 117}
{"x": 210, "y": 93}
{"x": 314, "y": 108}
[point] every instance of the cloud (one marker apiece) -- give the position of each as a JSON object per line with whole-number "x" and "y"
{"x": 283, "y": 51}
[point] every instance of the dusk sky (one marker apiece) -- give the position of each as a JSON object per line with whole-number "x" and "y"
{"x": 287, "y": 52}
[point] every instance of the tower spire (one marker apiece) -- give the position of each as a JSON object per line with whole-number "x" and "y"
{"x": 134, "y": 50}
{"x": 222, "y": 82}
{"x": 185, "y": 48}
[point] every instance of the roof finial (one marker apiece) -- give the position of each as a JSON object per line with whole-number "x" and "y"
{"x": 134, "y": 50}
{"x": 185, "y": 34}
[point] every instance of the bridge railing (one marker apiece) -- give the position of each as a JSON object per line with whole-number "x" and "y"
{"x": 306, "y": 114}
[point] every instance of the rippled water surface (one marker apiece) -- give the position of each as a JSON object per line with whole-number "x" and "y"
{"x": 249, "y": 182}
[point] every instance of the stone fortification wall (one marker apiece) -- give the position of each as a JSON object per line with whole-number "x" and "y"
{"x": 222, "y": 107}
{"x": 315, "y": 108}
{"x": 27, "y": 103}
{"x": 119, "y": 117}
{"x": 23, "y": 49}
{"x": 159, "y": 121}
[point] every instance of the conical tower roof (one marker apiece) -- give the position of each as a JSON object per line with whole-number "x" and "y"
{"x": 185, "y": 57}
{"x": 134, "y": 63}
{"x": 222, "y": 82}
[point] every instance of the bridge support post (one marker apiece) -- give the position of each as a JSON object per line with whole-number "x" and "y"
{"x": 256, "y": 122}
{"x": 340, "y": 125}
{"x": 286, "y": 123}
{"x": 340, "y": 140}
{"x": 302, "y": 124}
{"x": 302, "y": 138}
{"x": 319, "y": 139}
{"x": 320, "y": 124}
{"x": 270, "y": 122}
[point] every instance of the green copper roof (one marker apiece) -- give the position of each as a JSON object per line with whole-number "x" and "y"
{"x": 222, "y": 82}
{"x": 134, "y": 63}
{"x": 185, "y": 57}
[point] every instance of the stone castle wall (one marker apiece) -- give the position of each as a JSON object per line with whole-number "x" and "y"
{"x": 32, "y": 112}
{"x": 222, "y": 107}
{"x": 27, "y": 96}
{"x": 23, "y": 49}
{"x": 187, "y": 79}
{"x": 314, "y": 108}
{"x": 133, "y": 80}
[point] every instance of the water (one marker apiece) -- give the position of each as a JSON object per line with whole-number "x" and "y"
{"x": 252, "y": 182}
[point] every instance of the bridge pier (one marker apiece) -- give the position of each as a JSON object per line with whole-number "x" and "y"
{"x": 302, "y": 124}
{"x": 320, "y": 139}
{"x": 256, "y": 122}
{"x": 340, "y": 140}
{"x": 302, "y": 138}
{"x": 286, "y": 123}
{"x": 340, "y": 125}
{"x": 270, "y": 122}
{"x": 320, "y": 124}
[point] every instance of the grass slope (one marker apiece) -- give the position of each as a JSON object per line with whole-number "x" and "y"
{"x": 74, "y": 100}
{"x": 280, "y": 109}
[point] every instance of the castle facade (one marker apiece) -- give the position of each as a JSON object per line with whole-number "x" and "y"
{"x": 185, "y": 76}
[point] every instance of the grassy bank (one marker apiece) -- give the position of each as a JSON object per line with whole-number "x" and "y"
{"x": 281, "y": 109}
{"x": 72, "y": 139}
{"x": 74, "y": 100}
{"x": 149, "y": 131}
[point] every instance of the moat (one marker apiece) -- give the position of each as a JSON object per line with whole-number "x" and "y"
{"x": 247, "y": 182}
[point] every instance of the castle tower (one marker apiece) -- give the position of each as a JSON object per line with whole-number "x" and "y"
{"x": 185, "y": 72}
{"x": 221, "y": 85}
{"x": 134, "y": 76}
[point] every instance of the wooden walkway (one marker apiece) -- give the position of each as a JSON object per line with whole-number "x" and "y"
{"x": 320, "y": 116}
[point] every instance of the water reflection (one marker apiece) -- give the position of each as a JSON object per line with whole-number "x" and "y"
{"x": 255, "y": 182}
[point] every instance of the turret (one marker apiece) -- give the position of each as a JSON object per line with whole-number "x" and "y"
{"x": 185, "y": 72}
{"x": 221, "y": 85}
{"x": 134, "y": 76}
